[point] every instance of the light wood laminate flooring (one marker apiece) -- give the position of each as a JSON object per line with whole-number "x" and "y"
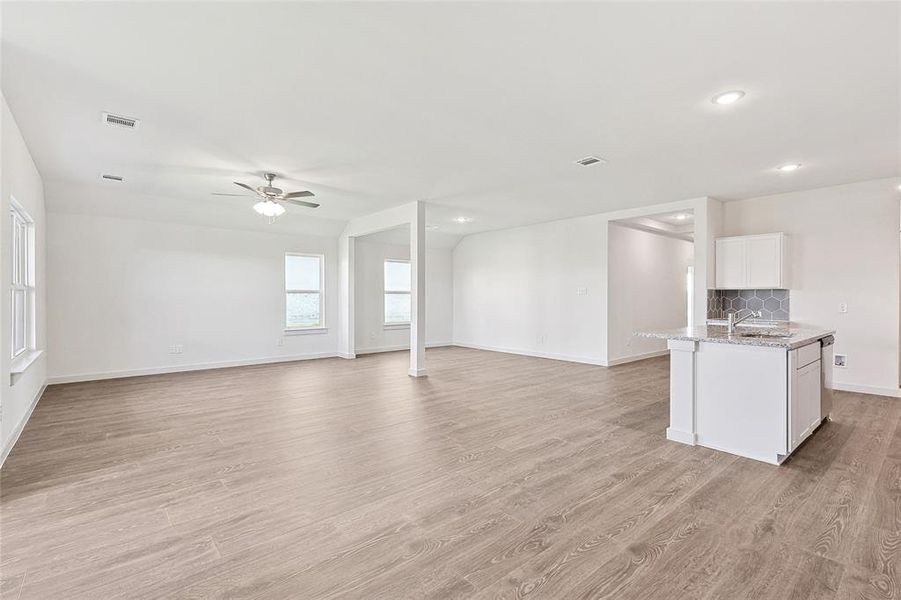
{"x": 498, "y": 476}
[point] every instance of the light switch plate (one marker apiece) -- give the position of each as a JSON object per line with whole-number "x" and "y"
{"x": 843, "y": 307}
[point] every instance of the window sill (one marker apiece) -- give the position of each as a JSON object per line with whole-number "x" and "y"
{"x": 21, "y": 363}
{"x": 396, "y": 325}
{"x": 307, "y": 331}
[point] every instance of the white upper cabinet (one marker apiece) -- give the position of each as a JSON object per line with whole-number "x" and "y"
{"x": 731, "y": 263}
{"x": 752, "y": 262}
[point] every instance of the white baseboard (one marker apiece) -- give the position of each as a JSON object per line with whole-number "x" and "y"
{"x": 21, "y": 426}
{"x": 867, "y": 389}
{"x": 182, "y": 368}
{"x": 346, "y": 355}
{"x": 416, "y": 372}
{"x": 377, "y": 349}
{"x": 636, "y": 357}
{"x": 683, "y": 437}
{"x": 767, "y": 458}
{"x": 588, "y": 360}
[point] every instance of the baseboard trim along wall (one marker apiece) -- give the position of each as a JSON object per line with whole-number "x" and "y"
{"x": 867, "y": 389}
{"x": 636, "y": 357}
{"x": 588, "y": 360}
{"x": 183, "y": 368}
{"x": 57, "y": 379}
{"x": 377, "y": 349}
{"x": 683, "y": 437}
{"x": 21, "y": 426}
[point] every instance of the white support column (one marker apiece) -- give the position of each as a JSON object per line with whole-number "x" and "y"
{"x": 417, "y": 292}
{"x": 346, "y": 348}
{"x": 682, "y": 392}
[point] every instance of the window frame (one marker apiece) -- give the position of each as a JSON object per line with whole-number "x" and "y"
{"x": 385, "y": 292}
{"x": 22, "y": 281}
{"x": 321, "y": 291}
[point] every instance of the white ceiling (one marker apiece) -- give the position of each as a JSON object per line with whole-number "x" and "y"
{"x": 679, "y": 224}
{"x": 400, "y": 236}
{"x": 478, "y": 108}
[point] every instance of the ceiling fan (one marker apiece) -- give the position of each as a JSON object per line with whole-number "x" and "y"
{"x": 271, "y": 198}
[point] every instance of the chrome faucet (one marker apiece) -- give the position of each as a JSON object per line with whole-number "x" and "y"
{"x": 732, "y": 322}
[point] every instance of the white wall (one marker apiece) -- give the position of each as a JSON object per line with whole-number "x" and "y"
{"x": 516, "y": 290}
{"x": 370, "y": 334}
{"x": 122, "y": 291}
{"x": 844, "y": 247}
{"x": 646, "y": 290}
{"x": 20, "y": 179}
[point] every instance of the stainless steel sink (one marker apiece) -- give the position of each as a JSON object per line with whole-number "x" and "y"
{"x": 770, "y": 335}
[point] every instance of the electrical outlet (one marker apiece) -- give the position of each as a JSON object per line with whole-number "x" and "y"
{"x": 176, "y": 349}
{"x": 280, "y": 341}
{"x": 843, "y": 307}
{"x": 840, "y": 360}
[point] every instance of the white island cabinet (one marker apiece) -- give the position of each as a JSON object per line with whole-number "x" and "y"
{"x": 805, "y": 382}
{"x": 753, "y": 393}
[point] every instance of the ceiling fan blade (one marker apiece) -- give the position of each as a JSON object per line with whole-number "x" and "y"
{"x": 224, "y": 194}
{"x": 246, "y": 187}
{"x": 303, "y": 194}
{"x": 301, "y": 203}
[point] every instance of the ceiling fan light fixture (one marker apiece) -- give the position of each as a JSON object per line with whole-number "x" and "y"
{"x": 269, "y": 208}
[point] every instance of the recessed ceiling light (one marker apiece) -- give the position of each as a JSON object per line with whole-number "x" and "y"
{"x": 730, "y": 97}
{"x": 431, "y": 227}
{"x": 462, "y": 220}
{"x": 790, "y": 167}
{"x": 681, "y": 217}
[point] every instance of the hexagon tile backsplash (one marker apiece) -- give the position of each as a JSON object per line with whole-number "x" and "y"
{"x": 772, "y": 303}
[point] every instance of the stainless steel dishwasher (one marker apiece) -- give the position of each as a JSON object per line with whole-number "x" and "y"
{"x": 826, "y": 348}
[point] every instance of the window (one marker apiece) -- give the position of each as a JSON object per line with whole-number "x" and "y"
{"x": 303, "y": 291}
{"x": 397, "y": 292}
{"x": 22, "y": 289}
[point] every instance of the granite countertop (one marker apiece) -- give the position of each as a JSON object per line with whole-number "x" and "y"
{"x": 790, "y": 336}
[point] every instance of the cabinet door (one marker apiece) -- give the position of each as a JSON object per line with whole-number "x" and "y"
{"x": 812, "y": 389}
{"x": 764, "y": 262}
{"x": 804, "y": 413}
{"x": 731, "y": 272}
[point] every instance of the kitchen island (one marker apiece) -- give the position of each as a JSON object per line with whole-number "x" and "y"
{"x": 756, "y": 393}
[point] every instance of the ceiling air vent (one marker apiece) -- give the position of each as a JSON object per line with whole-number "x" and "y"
{"x": 112, "y": 177}
{"x": 590, "y": 160}
{"x": 120, "y": 121}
